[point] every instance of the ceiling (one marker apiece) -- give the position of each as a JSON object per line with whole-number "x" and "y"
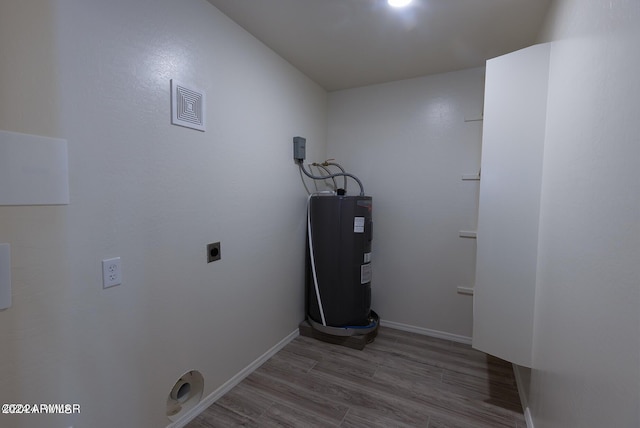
{"x": 348, "y": 43}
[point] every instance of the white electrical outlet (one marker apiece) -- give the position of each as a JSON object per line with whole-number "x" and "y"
{"x": 111, "y": 272}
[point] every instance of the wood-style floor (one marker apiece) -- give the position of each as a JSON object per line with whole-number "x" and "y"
{"x": 400, "y": 380}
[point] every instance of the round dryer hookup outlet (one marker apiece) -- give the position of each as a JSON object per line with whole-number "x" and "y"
{"x": 213, "y": 252}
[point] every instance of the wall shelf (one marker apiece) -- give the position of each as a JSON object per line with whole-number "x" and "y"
{"x": 467, "y": 291}
{"x": 470, "y": 177}
{"x": 472, "y": 234}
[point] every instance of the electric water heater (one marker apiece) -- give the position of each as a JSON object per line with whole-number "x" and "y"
{"x": 338, "y": 280}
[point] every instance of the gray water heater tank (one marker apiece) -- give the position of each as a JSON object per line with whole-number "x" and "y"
{"x": 341, "y": 234}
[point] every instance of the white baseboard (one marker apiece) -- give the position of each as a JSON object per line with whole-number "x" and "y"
{"x": 527, "y": 418}
{"x": 523, "y": 397}
{"x": 228, "y": 385}
{"x": 427, "y": 332}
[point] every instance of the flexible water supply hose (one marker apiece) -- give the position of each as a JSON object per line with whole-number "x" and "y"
{"x": 338, "y": 174}
{"x": 327, "y": 163}
{"x": 322, "y": 166}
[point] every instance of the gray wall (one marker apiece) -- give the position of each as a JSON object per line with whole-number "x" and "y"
{"x": 97, "y": 74}
{"x": 409, "y": 143}
{"x": 586, "y": 341}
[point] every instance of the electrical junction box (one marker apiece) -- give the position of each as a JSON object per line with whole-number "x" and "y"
{"x": 299, "y": 148}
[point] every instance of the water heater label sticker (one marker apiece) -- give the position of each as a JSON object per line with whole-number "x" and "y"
{"x": 367, "y": 257}
{"x": 358, "y": 225}
{"x": 365, "y": 273}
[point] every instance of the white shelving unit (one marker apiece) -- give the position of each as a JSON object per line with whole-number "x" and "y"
{"x": 508, "y": 214}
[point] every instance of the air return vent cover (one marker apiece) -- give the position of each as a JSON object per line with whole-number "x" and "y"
{"x": 187, "y": 106}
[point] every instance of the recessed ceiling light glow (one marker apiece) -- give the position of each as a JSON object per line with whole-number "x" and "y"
{"x": 398, "y": 3}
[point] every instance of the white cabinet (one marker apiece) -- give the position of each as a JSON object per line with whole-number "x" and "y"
{"x": 509, "y": 208}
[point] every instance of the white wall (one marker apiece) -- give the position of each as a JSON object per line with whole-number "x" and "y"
{"x": 97, "y": 74}
{"x": 587, "y": 322}
{"x": 409, "y": 143}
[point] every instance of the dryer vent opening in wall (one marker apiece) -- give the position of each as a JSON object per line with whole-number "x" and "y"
{"x": 187, "y": 106}
{"x": 185, "y": 394}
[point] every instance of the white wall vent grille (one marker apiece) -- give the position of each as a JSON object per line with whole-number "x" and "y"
{"x": 187, "y": 106}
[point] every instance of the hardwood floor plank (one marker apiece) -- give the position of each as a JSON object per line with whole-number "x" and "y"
{"x": 346, "y": 368}
{"x": 400, "y": 380}
{"x": 292, "y": 362}
{"x": 356, "y": 394}
{"x": 483, "y": 389}
{"x": 357, "y": 418}
{"x": 246, "y": 401}
{"x": 315, "y": 349}
{"x": 431, "y": 398}
{"x": 295, "y": 396}
{"x": 472, "y": 366}
{"x": 448, "y": 422}
{"x": 216, "y": 416}
{"x": 283, "y": 416}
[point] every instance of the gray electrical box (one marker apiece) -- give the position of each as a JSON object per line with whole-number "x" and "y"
{"x": 299, "y": 148}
